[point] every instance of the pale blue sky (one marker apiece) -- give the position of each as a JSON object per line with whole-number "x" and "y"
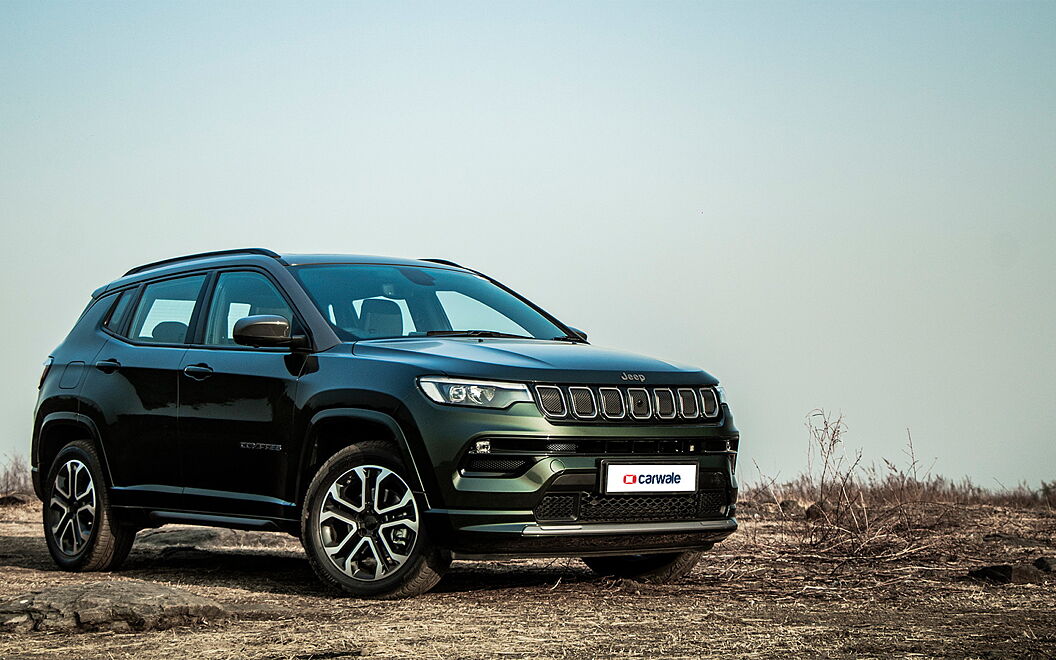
{"x": 849, "y": 206}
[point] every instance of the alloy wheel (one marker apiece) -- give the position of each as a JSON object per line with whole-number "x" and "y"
{"x": 368, "y": 522}
{"x": 72, "y": 507}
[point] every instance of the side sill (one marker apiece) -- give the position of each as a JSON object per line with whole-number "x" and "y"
{"x": 233, "y": 522}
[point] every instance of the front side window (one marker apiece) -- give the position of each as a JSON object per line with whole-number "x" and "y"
{"x": 163, "y": 315}
{"x": 238, "y": 295}
{"x": 381, "y": 302}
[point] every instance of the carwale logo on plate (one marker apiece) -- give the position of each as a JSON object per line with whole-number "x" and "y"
{"x": 674, "y": 478}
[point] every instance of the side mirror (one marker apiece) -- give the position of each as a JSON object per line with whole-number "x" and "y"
{"x": 265, "y": 331}
{"x": 579, "y": 333}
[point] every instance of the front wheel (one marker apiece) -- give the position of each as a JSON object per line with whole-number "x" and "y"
{"x": 78, "y": 522}
{"x": 657, "y": 569}
{"x": 362, "y": 526}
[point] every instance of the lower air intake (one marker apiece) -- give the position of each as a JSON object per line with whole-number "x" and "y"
{"x": 588, "y": 507}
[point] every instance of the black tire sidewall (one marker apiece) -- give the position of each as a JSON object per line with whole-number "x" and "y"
{"x": 657, "y": 568}
{"x": 78, "y": 451}
{"x": 338, "y": 465}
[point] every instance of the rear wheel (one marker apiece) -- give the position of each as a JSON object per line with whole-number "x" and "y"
{"x": 657, "y": 569}
{"x": 362, "y": 526}
{"x": 78, "y": 523}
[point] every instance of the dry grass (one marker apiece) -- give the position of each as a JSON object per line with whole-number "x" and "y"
{"x": 758, "y": 595}
{"x": 14, "y": 476}
{"x": 869, "y": 511}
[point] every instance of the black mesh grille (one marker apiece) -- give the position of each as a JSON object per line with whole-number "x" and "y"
{"x": 631, "y": 508}
{"x": 640, "y": 406}
{"x": 665, "y": 404}
{"x": 594, "y": 446}
{"x": 551, "y": 400}
{"x": 583, "y": 402}
{"x": 511, "y": 465}
{"x": 557, "y": 507}
{"x": 711, "y": 503}
{"x": 612, "y": 402}
{"x": 711, "y": 402}
{"x": 687, "y": 400}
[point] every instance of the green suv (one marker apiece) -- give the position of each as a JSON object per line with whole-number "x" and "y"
{"x": 394, "y": 414}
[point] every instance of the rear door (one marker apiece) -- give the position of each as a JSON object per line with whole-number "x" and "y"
{"x": 237, "y": 405}
{"x": 133, "y": 385}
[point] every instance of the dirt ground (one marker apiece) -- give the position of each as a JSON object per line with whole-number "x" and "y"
{"x": 760, "y": 594}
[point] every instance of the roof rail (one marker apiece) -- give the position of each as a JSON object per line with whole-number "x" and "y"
{"x": 202, "y": 255}
{"x": 445, "y": 262}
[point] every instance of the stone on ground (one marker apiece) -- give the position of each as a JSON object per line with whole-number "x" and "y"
{"x": 117, "y": 605}
{"x": 1005, "y": 574}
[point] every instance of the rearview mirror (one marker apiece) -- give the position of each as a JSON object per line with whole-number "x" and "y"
{"x": 579, "y": 333}
{"x": 265, "y": 331}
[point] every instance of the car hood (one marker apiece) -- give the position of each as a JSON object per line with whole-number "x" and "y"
{"x": 530, "y": 360}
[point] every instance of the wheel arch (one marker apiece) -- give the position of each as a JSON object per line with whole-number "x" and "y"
{"x": 333, "y": 429}
{"x": 58, "y": 429}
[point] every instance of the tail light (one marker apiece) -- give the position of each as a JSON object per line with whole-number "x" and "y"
{"x": 47, "y": 368}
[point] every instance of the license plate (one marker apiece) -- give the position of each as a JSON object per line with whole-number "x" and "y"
{"x": 649, "y": 478}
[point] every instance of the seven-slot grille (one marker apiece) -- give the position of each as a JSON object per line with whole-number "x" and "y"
{"x": 630, "y": 404}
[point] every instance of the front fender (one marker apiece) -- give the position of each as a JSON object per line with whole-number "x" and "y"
{"x": 374, "y": 416}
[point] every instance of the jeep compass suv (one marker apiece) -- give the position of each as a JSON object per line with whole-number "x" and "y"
{"x": 394, "y": 414}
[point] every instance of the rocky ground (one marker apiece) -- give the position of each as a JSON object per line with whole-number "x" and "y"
{"x": 208, "y": 593}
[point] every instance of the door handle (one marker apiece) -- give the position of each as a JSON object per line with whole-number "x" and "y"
{"x": 108, "y": 366}
{"x": 198, "y": 371}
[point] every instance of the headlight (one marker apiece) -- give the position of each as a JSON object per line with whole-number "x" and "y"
{"x": 474, "y": 393}
{"x": 720, "y": 391}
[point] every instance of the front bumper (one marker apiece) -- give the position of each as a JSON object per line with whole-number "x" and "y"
{"x": 474, "y": 514}
{"x": 467, "y": 537}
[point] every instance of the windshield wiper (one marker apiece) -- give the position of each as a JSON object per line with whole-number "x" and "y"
{"x": 473, "y": 333}
{"x": 570, "y": 338}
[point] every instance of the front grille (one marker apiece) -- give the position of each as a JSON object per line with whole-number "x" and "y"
{"x": 588, "y": 507}
{"x": 665, "y": 403}
{"x": 583, "y": 402}
{"x": 551, "y": 400}
{"x": 612, "y": 403}
{"x": 711, "y": 402}
{"x": 642, "y": 405}
{"x": 687, "y": 402}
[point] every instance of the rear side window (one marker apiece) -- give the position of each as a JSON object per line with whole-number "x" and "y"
{"x": 164, "y": 313}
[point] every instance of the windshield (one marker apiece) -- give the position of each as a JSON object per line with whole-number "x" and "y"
{"x": 380, "y": 302}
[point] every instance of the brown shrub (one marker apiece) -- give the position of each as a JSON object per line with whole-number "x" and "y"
{"x": 14, "y": 476}
{"x": 875, "y": 512}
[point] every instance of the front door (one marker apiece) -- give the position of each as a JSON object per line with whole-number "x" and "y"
{"x": 236, "y": 407}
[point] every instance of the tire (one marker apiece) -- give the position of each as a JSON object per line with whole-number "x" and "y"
{"x": 361, "y": 526}
{"x": 90, "y": 539}
{"x": 655, "y": 569}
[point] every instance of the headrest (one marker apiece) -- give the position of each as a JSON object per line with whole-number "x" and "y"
{"x": 170, "y": 332}
{"x": 381, "y": 318}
